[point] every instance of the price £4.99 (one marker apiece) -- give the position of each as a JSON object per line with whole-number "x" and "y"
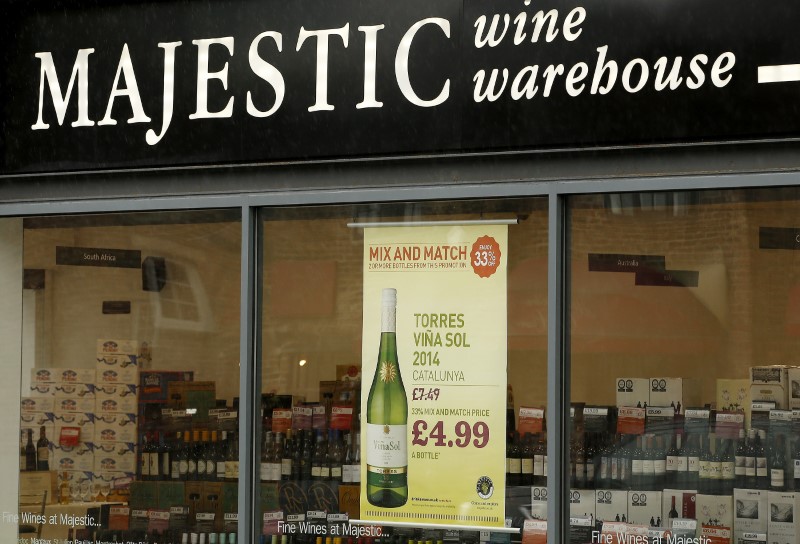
{"x": 464, "y": 434}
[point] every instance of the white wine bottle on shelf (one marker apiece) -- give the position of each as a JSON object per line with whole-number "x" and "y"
{"x": 387, "y": 418}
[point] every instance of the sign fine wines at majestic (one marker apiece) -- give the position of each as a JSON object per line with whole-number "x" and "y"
{"x": 113, "y": 85}
{"x": 434, "y": 366}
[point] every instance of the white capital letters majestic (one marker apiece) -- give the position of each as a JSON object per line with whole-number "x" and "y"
{"x": 169, "y": 92}
{"x": 204, "y": 76}
{"x": 268, "y": 73}
{"x": 370, "y": 66}
{"x": 401, "y": 64}
{"x": 131, "y": 91}
{"x": 80, "y": 70}
{"x": 322, "y": 60}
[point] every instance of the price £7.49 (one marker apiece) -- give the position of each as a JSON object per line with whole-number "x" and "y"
{"x": 464, "y": 434}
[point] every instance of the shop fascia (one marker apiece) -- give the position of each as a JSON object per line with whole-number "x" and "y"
{"x": 600, "y": 75}
{"x": 208, "y": 47}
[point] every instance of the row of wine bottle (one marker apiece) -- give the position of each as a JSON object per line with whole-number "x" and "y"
{"x": 153, "y": 537}
{"x": 656, "y": 462}
{"x": 35, "y": 457}
{"x": 311, "y": 455}
{"x": 190, "y": 455}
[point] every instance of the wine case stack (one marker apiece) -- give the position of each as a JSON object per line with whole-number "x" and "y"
{"x": 663, "y": 464}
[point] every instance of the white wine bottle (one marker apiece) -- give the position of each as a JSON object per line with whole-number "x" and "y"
{"x": 387, "y": 418}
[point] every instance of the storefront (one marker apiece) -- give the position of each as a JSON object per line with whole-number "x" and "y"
{"x": 431, "y": 271}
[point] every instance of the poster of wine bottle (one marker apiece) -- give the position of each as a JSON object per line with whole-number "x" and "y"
{"x": 434, "y": 364}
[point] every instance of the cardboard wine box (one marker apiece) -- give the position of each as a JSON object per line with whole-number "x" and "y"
{"x": 644, "y": 508}
{"x": 684, "y": 504}
{"x": 784, "y": 517}
{"x": 751, "y": 513}
{"x": 633, "y": 391}
{"x": 611, "y": 505}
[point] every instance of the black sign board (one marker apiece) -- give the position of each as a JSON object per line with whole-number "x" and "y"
{"x": 617, "y": 262}
{"x": 94, "y": 256}
{"x": 116, "y": 307}
{"x": 92, "y": 84}
{"x": 778, "y": 238}
{"x": 668, "y": 278}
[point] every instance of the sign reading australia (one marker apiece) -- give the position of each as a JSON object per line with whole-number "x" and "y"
{"x": 180, "y": 83}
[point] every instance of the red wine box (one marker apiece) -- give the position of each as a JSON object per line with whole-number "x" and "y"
{"x": 751, "y": 513}
{"x": 784, "y": 517}
{"x": 684, "y": 505}
{"x": 633, "y": 391}
{"x": 83, "y": 421}
{"x": 611, "y": 504}
{"x": 644, "y": 507}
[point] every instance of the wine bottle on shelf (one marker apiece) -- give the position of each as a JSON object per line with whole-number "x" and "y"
{"x": 286, "y": 458}
{"x": 232, "y": 461}
{"x": 22, "y": 461}
{"x": 211, "y": 458}
{"x": 221, "y": 457}
{"x": 387, "y": 418}
{"x": 728, "y": 467}
{"x": 144, "y": 460}
{"x": 672, "y": 476}
{"x": 591, "y": 461}
{"x": 762, "y": 472}
{"x": 659, "y": 464}
{"x": 777, "y": 464}
{"x": 796, "y": 464}
{"x": 539, "y": 460}
{"x": 154, "y": 458}
{"x": 704, "y": 472}
{"x": 604, "y": 474}
{"x": 356, "y": 463}
{"x": 336, "y": 457}
{"x": 513, "y": 461}
{"x": 637, "y": 466}
{"x": 740, "y": 456}
{"x": 526, "y": 460}
{"x": 692, "y": 454}
{"x": 42, "y": 450}
{"x": 266, "y": 444}
{"x": 580, "y": 463}
{"x": 194, "y": 453}
{"x": 715, "y": 469}
{"x": 30, "y": 452}
{"x": 750, "y": 461}
{"x": 649, "y": 456}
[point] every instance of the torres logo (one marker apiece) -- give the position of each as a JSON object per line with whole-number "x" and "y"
{"x": 539, "y": 494}
{"x": 575, "y": 497}
{"x": 658, "y": 385}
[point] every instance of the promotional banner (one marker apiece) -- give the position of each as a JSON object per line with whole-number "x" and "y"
{"x": 434, "y": 361}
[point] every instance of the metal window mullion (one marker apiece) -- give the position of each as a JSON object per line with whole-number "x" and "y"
{"x": 558, "y": 394}
{"x": 249, "y": 381}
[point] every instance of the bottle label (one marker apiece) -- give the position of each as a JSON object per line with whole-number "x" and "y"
{"x": 750, "y": 466}
{"x": 589, "y": 472}
{"x": 648, "y": 467}
{"x": 154, "y": 464}
{"x": 660, "y": 466}
{"x": 705, "y": 469}
{"x": 183, "y": 467}
{"x": 514, "y": 466}
{"x": 538, "y": 465}
{"x": 325, "y": 472}
{"x": 347, "y": 474}
{"x": 222, "y": 470}
{"x": 356, "y": 474}
{"x": 286, "y": 467}
{"x": 776, "y": 477}
{"x": 43, "y": 454}
{"x": 175, "y": 470}
{"x": 693, "y": 464}
{"x": 728, "y": 470}
{"x": 604, "y": 468}
{"x": 715, "y": 470}
{"x": 739, "y": 465}
{"x": 234, "y": 469}
{"x": 145, "y": 461}
{"x": 386, "y": 445}
{"x": 797, "y": 469}
{"x": 672, "y": 463}
{"x": 264, "y": 472}
{"x": 192, "y": 466}
{"x": 336, "y": 473}
{"x": 545, "y": 467}
{"x": 761, "y": 467}
{"x": 527, "y": 466}
{"x": 681, "y": 464}
{"x": 201, "y": 466}
{"x": 316, "y": 471}
{"x": 637, "y": 466}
